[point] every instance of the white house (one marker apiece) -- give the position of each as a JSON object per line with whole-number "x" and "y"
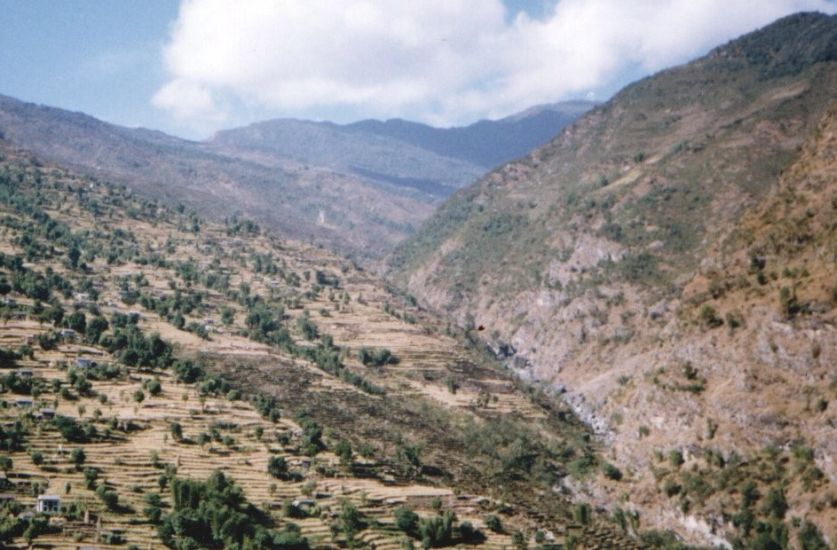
{"x": 49, "y": 504}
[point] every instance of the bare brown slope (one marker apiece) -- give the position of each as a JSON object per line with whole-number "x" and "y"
{"x": 584, "y": 264}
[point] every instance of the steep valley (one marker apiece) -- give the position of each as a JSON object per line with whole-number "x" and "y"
{"x": 144, "y": 347}
{"x": 667, "y": 263}
{"x": 384, "y": 335}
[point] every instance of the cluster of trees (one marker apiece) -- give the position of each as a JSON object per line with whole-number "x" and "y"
{"x": 32, "y": 283}
{"x": 13, "y": 436}
{"x": 311, "y": 441}
{"x": 265, "y": 324}
{"x": 328, "y": 357}
{"x": 514, "y": 451}
{"x": 214, "y": 513}
{"x": 22, "y": 385}
{"x": 267, "y": 407}
{"x": 436, "y": 530}
{"x": 376, "y": 357}
{"x": 39, "y": 225}
{"x": 263, "y": 263}
{"x": 241, "y": 227}
{"x": 73, "y": 430}
{"x": 8, "y": 358}
{"x": 173, "y": 308}
{"x": 13, "y": 523}
{"x": 128, "y": 344}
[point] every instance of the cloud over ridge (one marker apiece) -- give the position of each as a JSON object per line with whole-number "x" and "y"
{"x": 440, "y": 61}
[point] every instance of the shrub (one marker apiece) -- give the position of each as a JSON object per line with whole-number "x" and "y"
{"x": 749, "y": 494}
{"x": 153, "y": 386}
{"x": 470, "y": 534}
{"x": 376, "y": 357}
{"x": 670, "y": 488}
{"x": 582, "y": 465}
{"x": 709, "y": 317}
{"x": 406, "y": 520}
{"x": 788, "y": 302}
{"x": 77, "y": 457}
{"x": 437, "y": 531}
{"x": 176, "y": 431}
{"x": 735, "y": 319}
{"x": 675, "y": 458}
{"x": 109, "y": 497}
{"x": 775, "y": 504}
{"x": 611, "y": 472}
{"x": 639, "y": 268}
{"x": 581, "y": 513}
{"x": 90, "y": 477}
{"x": 277, "y": 466}
{"x": 493, "y": 523}
{"x": 810, "y": 538}
{"x": 307, "y": 328}
{"x": 344, "y": 451}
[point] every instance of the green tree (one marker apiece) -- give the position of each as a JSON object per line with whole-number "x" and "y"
{"x": 77, "y": 321}
{"x": 90, "y": 477}
{"x": 406, "y": 520}
{"x": 77, "y": 457}
{"x": 810, "y": 538}
{"x": 343, "y": 450}
{"x": 775, "y": 505}
{"x": 176, "y": 431}
{"x": 277, "y": 466}
{"x": 493, "y": 523}
{"x": 73, "y": 256}
{"x": 436, "y": 531}
{"x": 351, "y": 521}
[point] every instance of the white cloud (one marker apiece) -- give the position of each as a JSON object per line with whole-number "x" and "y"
{"x": 186, "y": 99}
{"x": 442, "y": 61}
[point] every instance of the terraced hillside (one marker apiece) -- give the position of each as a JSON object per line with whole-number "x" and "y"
{"x": 179, "y": 383}
{"x": 668, "y": 261}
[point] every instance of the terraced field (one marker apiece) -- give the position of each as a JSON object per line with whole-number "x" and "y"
{"x": 372, "y": 403}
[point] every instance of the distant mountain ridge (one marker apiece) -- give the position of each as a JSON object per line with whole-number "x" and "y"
{"x": 487, "y": 143}
{"x": 352, "y": 189}
{"x": 435, "y": 160}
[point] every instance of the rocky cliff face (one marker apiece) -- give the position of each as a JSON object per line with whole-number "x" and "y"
{"x": 668, "y": 263}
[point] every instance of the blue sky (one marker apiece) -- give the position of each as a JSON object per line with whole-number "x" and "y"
{"x": 101, "y": 57}
{"x": 192, "y": 69}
